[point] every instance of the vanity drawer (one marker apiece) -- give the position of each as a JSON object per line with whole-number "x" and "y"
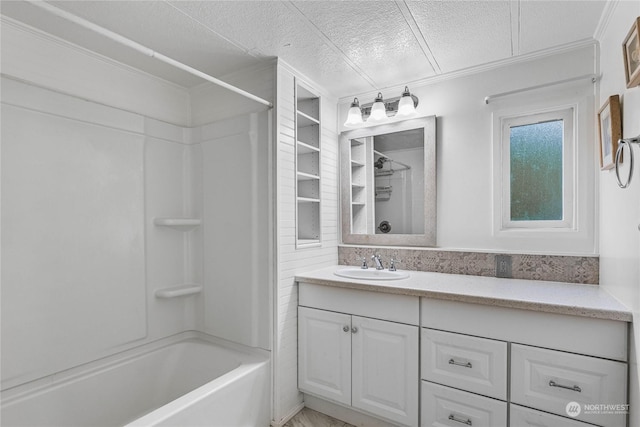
{"x": 549, "y": 380}
{"x": 469, "y": 363}
{"x": 445, "y": 406}
{"x": 527, "y": 417}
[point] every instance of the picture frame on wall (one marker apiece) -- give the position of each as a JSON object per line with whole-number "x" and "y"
{"x": 609, "y": 131}
{"x": 631, "y": 53}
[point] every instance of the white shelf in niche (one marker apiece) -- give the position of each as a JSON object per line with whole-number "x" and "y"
{"x": 306, "y": 120}
{"x": 303, "y": 176}
{"x": 308, "y": 242}
{"x": 182, "y": 224}
{"x": 304, "y": 148}
{"x": 308, "y": 200}
{"x": 179, "y": 291}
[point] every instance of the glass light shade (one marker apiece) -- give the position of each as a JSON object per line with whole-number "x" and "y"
{"x": 378, "y": 110}
{"x": 354, "y": 116}
{"x": 406, "y": 106}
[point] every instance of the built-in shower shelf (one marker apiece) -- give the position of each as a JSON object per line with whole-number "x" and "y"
{"x": 182, "y": 224}
{"x": 179, "y": 291}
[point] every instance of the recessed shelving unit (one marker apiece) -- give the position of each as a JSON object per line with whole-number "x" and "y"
{"x": 307, "y": 158}
{"x": 361, "y": 211}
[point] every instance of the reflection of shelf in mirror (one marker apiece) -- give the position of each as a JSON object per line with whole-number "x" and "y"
{"x": 358, "y": 204}
{"x": 179, "y": 291}
{"x": 306, "y": 120}
{"x": 308, "y": 200}
{"x": 183, "y": 224}
{"x": 357, "y": 186}
{"x": 355, "y": 163}
{"x": 304, "y": 148}
{"x": 308, "y": 242}
{"x": 303, "y": 176}
{"x": 356, "y": 142}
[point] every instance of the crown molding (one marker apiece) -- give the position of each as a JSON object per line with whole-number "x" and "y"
{"x": 605, "y": 18}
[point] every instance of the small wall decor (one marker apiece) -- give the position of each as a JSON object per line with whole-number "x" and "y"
{"x": 631, "y": 49}
{"x": 610, "y": 131}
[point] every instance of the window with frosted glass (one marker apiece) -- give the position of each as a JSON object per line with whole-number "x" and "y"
{"x": 536, "y": 164}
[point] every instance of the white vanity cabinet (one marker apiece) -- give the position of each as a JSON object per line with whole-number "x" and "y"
{"x": 563, "y": 370}
{"x": 360, "y": 349}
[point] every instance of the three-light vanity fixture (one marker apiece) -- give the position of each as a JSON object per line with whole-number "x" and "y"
{"x": 380, "y": 110}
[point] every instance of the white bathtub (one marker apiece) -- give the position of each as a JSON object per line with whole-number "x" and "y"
{"x": 187, "y": 380}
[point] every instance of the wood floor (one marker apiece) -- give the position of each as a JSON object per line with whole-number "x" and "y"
{"x": 310, "y": 418}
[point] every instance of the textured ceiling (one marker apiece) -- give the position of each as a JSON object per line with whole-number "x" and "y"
{"x": 348, "y": 47}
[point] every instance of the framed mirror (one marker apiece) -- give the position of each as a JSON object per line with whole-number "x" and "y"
{"x": 388, "y": 184}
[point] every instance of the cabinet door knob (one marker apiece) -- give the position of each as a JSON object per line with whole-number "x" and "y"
{"x": 345, "y": 328}
{"x": 354, "y": 330}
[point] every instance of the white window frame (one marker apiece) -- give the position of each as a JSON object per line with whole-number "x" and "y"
{"x": 569, "y": 202}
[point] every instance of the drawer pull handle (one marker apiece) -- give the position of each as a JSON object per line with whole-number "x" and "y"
{"x": 552, "y": 383}
{"x": 460, "y": 420}
{"x": 345, "y": 328}
{"x": 466, "y": 365}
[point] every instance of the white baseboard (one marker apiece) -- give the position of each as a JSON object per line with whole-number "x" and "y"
{"x": 287, "y": 417}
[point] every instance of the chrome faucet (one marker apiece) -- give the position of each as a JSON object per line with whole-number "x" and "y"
{"x": 376, "y": 259}
{"x": 364, "y": 265}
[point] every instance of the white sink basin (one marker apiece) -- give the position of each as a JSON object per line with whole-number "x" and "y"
{"x": 371, "y": 274}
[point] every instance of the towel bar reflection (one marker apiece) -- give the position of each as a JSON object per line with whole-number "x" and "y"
{"x": 621, "y": 144}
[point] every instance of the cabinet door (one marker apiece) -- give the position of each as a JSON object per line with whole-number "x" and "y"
{"x": 385, "y": 369}
{"x": 324, "y": 354}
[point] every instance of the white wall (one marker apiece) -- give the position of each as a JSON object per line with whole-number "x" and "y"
{"x": 287, "y": 398}
{"x": 86, "y": 167}
{"x": 465, "y": 143}
{"x": 620, "y": 209}
{"x": 64, "y": 260}
{"x": 232, "y": 161}
{"x": 238, "y": 233}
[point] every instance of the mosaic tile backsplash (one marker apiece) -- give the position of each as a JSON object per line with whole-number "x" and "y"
{"x": 570, "y": 269}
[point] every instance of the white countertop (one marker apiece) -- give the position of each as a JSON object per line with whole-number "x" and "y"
{"x": 551, "y": 297}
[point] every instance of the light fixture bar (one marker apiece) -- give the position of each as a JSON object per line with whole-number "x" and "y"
{"x": 391, "y": 105}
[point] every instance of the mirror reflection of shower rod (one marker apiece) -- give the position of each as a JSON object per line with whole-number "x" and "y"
{"x": 621, "y": 145}
{"x": 389, "y": 159}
